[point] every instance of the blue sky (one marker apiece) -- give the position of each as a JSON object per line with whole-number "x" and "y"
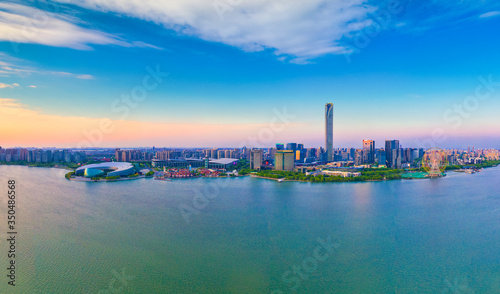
{"x": 392, "y": 69}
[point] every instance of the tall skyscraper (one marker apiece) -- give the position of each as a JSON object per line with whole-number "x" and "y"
{"x": 284, "y": 160}
{"x": 389, "y": 146}
{"x": 381, "y": 157}
{"x": 255, "y": 158}
{"x": 329, "y": 131}
{"x": 292, "y": 147}
{"x": 369, "y": 150}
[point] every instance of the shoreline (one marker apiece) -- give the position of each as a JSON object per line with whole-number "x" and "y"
{"x": 251, "y": 175}
{"x": 104, "y": 180}
{"x": 26, "y": 165}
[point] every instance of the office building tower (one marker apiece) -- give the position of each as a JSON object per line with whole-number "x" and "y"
{"x": 389, "y": 146}
{"x": 381, "y": 157}
{"x": 255, "y": 158}
{"x": 358, "y": 157}
{"x": 311, "y": 153}
{"x": 284, "y": 160}
{"x": 329, "y": 131}
{"x": 369, "y": 151}
{"x": 300, "y": 155}
{"x": 280, "y": 146}
{"x": 118, "y": 155}
{"x": 221, "y": 154}
{"x": 291, "y": 146}
{"x": 396, "y": 158}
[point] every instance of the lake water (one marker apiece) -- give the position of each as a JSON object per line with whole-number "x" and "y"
{"x": 247, "y": 235}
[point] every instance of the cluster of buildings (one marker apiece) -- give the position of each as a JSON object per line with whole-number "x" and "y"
{"x": 41, "y": 155}
{"x": 175, "y": 173}
{"x": 183, "y": 173}
{"x": 133, "y": 155}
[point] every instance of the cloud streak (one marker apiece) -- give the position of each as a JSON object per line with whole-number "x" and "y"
{"x": 10, "y": 66}
{"x": 294, "y": 29}
{"x": 24, "y": 24}
{"x": 3, "y": 85}
{"x": 490, "y": 14}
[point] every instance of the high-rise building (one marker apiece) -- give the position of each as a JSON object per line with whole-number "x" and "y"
{"x": 255, "y": 158}
{"x": 118, "y": 154}
{"x": 280, "y": 146}
{"x": 300, "y": 154}
{"x": 329, "y": 131}
{"x": 311, "y": 153}
{"x": 381, "y": 157}
{"x": 358, "y": 157}
{"x": 389, "y": 146}
{"x": 221, "y": 154}
{"x": 291, "y": 146}
{"x": 369, "y": 150}
{"x": 396, "y": 158}
{"x": 284, "y": 160}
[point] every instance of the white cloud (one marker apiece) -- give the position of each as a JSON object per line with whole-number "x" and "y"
{"x": 489, "y": 14}
{"x": 85, "y": 77}
{"x": 3, "y": 85}
{"x": 24, "y": 24}
{"x": 32, "y": 86}
{"x": 296, "y": 28}
{"x": 11, "y": 66}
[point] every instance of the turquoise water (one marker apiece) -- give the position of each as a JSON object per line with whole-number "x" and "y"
{"x": 246, "y": 235}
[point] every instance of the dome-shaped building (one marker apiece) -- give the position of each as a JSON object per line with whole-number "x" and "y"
{"x": 105, "y": 169}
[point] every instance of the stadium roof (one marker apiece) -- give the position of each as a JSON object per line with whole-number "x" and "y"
{"x": 223, "y": 160}
{"x": 114, "y": 166}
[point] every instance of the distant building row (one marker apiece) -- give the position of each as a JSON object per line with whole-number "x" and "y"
{"x": 40, "y": 155}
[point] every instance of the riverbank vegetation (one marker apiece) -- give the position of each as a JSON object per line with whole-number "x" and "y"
{"x": 366, "y": 175}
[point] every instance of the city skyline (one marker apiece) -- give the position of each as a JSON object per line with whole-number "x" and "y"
{"x": 174, "y": 78}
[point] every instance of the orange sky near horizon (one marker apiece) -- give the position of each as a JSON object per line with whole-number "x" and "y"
{"x": 21, "y": 126}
